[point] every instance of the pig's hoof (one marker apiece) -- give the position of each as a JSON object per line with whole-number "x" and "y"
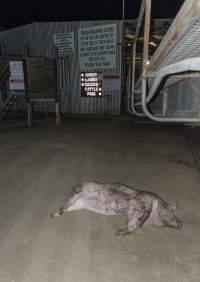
{"x": 123, "y": 232}
{"x": 180, "y": 225}
{"x": 61, "y": 211}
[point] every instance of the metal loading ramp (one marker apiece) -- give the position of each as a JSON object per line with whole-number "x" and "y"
{"x": 182, "y": 40}
{"x": 177, "y": 58}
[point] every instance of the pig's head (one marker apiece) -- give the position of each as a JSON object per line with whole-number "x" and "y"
{"x": 170, "y": 219}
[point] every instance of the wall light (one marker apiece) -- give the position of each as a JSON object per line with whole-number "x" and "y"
{"x": 153, "y": 44}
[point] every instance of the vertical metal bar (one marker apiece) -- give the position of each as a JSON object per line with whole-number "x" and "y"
{"x": 58, "y": 77}
{"x": 4, "y": 93}
{"x": 58, "y": 113}
{"x": 30, "y": 113}
{"x": 131, "y": 100}
{"x": 123, "y": 10}
{"x": 129, "y": 79}
{"x": 146, "y": 35}
{"x": 60, "y": 72}
{"x": 123, "y": 51}
{"x": 27, "y": 70}
{"x": 165, "y": 99}
{"x": 69, "y": 89}
{"x": 139, "y": 22}
{"x": 46, "y": 108}
{"x": 133, "y": 68}
{"x": 64, "y": 74}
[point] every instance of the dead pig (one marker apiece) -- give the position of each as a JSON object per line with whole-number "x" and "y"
{"x": 141, "y": 207}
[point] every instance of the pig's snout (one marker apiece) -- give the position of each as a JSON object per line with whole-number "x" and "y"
{"x": 179, "y": 225}
{"x": 173, "y": 222}
{"x": 176, "y": 223}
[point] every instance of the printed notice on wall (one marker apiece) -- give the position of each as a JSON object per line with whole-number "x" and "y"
{"x": 16, "y": 80}
{"x": 64, "y": 43}
{"x": 97, "y": 47}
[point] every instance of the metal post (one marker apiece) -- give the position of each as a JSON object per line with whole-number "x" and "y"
{"x": 59, "y": 85}
{"x": 46, "y": 109}
{"x": 30, "y": 113}
{"x": 131, "y": 100}
{"x": 123, "y": 50}
{"x": 146, "y": 35}
{"x": 123, "y": 10}
{"x": 165, "y": 98}
{"x": 133, "y": 67}
{"x": 58, "y": 114}
{"x": 140, "y": 18}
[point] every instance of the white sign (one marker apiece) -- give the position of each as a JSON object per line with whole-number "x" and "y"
{"x": 97, "y": 47}
{"x": 64, "y": 43}
{"x": 111, "y": 82}
{"x": 16, "y": 80}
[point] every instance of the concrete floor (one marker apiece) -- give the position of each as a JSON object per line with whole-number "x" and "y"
{"x": 38, "y": 166}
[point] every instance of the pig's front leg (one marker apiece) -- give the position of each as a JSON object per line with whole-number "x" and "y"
{"x": 136, "y": 218}
{"x": 75, "y": 203}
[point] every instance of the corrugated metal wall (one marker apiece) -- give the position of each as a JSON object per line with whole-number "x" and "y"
{"x": 39, "y": 38}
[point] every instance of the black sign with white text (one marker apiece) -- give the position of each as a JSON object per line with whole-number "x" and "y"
{"x": 91, "y": 84}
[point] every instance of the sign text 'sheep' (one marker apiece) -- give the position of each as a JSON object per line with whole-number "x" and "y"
{"x": 97, "y": 47}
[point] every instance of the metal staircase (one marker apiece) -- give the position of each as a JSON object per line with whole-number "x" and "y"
{"x": 7, "y": 105}
{"x": 11, "y": 99}
{"x": 4, "y": 76}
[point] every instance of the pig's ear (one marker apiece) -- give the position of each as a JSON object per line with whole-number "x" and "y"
{"x": 77, "y": 188}
{"x": 173, "y": 206}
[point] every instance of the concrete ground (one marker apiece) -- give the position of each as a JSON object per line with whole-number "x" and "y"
{"x": 38, "y": 167}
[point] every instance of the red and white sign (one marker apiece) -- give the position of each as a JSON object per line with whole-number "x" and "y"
{"x": 16, "y": 80}
{"x": 16, "y": 84}
{"x": 111, "y": 82}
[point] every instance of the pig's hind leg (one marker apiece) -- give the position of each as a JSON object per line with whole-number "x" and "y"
{"x": 74, "y": 203}
{"x": 136, "y": 218}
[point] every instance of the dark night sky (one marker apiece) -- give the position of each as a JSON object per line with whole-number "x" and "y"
{"x": 23, "y": 12}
